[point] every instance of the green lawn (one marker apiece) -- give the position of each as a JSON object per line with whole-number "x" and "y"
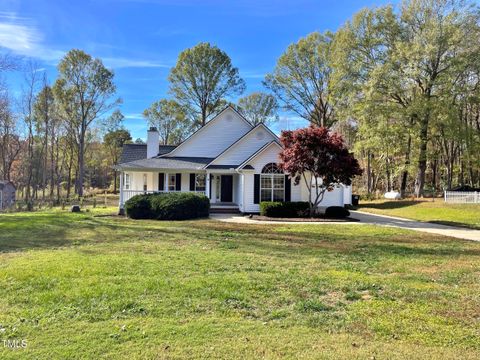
{"x": 467, "y": 215}
{"x": 90, "y": 286}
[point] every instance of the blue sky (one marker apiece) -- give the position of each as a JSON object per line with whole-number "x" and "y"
{"x": 141, "y": 39}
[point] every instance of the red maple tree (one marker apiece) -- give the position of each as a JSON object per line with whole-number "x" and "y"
{"x": 320, "y": 158}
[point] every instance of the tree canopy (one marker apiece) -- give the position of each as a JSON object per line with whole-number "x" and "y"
{"x": 320, "y": 158}
{"x": 170, "y": 120}
{"x": 301, "y": 79}
{"x": 259, "y": 107}
{"x": 84, "y": 89}
{"x": 202, "y": 78}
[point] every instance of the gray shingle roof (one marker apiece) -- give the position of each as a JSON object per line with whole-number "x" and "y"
{"x": 133, "y": 152}
{"x": 174, "y": 163}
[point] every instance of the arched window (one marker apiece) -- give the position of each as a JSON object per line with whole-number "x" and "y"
{"x": 271, "y": 168}
{"x": 272, "y": 183}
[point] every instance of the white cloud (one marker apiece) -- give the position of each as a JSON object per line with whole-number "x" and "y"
{"x": 22, "y": 37}
{"x": 115, "y": 62}
{"x": 134, "y": 116}
{"x": 252, "y": 75}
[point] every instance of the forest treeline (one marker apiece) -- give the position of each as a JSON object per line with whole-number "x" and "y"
{"x": 401, "y": 84}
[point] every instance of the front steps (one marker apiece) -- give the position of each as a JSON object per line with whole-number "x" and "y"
{"x": 224, "y": 208}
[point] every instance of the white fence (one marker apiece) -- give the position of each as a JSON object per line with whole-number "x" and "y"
{"x": 462, "y": 197}
{"x": 128, "y": 194}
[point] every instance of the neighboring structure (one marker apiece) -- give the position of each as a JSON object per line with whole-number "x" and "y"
{"x": 7, "y": 194}
{"x": 229, "y": 160}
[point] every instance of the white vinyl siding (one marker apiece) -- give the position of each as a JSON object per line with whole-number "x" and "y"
{"x": 245, "y": 147}
{"x": 269, "y": 155}
{"x": 214, "y": 137}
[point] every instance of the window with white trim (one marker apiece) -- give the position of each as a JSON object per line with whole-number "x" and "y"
{"x": 200, "y": 182}
{"x": 171, "y": 182}
{"x": 145, "y": 182}
{"x": 272, "y": 183}
{"x": 126, "y": 181}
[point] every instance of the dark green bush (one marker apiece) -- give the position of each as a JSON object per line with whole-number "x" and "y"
{"x": 138, "y": 207}
{"x": 337, "y": 212}
{"x": 284, "y": 209}
{"x": 168, "y": 206}
{"x": 180, "y": 206}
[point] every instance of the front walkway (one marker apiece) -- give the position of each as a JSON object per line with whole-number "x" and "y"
{"x": 373, "y": 219}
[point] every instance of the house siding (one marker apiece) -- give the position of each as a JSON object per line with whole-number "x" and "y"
{"x": 247, "y": 146}
{"x": 212, "y": 139}
{"x": 152, "y": 180}
{"x": 269, "y": 155}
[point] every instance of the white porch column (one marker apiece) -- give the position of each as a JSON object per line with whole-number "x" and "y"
{"x": 207, "y": 185}
{"x": 167, "y": 178}
{"x": 121, "y": 210}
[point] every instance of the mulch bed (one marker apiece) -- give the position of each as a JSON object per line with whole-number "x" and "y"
{"x": 317, "y": 219}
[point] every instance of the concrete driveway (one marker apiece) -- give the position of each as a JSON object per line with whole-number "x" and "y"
{"x": 367, "y": 218}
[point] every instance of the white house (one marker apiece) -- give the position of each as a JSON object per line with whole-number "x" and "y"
{"x": 229, "y": 160}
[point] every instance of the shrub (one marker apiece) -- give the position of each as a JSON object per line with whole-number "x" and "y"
{"x": 338, "y": 212}
{"x": 283, "y": 209}
{"x": 180, "y": 206}
{"x": 138, "y": 207}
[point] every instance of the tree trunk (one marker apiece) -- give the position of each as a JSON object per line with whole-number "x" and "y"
{"x": 369, "y": 172}
{"x": 389, "y": 181}
{"x": 434, "y": 175}
{"x": 114, "y": 181}
{"x": 204, "y": 115}
{"x": 81, "y": 164}
{"x": 69, "y": 178}
{"x": 403, "y": 184}
{"x": 422, "y": 159}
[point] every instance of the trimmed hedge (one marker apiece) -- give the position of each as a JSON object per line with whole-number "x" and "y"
{"x": 279, "y": 209}
{"x": 138, "y": 207}
{"x": 337, "y": 212}
{"x": 180, "y": 206}
{"x": 168, "y": 206}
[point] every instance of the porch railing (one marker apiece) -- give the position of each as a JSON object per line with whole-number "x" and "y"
{"x": 462, "y": 197}
{"x": 128, "y": 194}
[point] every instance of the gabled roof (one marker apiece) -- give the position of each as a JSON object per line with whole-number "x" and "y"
{"x": 165, "y": 163}
{"x": 133, "y": 152}
{"x": 208, "y": 124}
{"x": 240, "y": 140}
{"x": 245, "y": 164}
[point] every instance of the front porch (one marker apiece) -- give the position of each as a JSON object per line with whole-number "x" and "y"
{"x": 222, "y": 188}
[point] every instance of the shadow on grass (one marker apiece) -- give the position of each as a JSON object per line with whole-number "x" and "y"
{"x": 455, "y": 224}
{"x": 307, "y": 243}
{"x": 55, "y": 230}
{"x": 389, "y": 205}
{"x": 29, "y": 231}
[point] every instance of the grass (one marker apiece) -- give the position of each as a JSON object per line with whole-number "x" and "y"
{"x": 93, "y": 286}
{"x": 464, "y": 215}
